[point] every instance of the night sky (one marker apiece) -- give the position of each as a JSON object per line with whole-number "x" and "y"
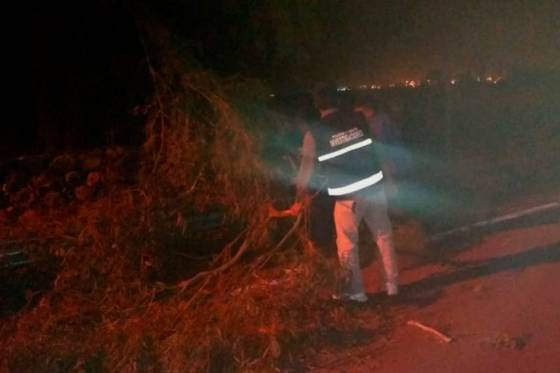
{"x": 360, "y": 41}
{"x": 405, "y": 39}
{"x": 349, "y": 40}
{"x": 84, "y": 62}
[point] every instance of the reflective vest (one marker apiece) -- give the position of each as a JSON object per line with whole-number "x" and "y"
{"x": 346, "y": 155}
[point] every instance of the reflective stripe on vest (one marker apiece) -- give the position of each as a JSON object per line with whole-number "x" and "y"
{"x": 345, "y": 150}
{"x": 358, "y": 185}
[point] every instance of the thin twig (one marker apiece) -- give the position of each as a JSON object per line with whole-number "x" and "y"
{"x": 429, "y": 329}
{"x": 201, "y": 275}
{"x": 261, "y": 263}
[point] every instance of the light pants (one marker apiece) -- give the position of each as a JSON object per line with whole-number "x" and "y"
{"x": 347, "y": 217}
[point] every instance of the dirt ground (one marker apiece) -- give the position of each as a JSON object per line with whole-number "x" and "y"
{"x": 495, "y": 293}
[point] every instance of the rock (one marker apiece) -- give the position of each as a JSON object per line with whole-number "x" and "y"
{"x": 63, "y": 163}
{"x": 92, "y": 161}
{"x": 3, "y": 217}
{"x": 115, "y": 152}
{"x": 94, "y": 178}
{"x": 24, "y": 197}
{"x": 41, "y": 182}
{"x": 507, "y": 341}
{"x": 83, "y": 193}
{"x": 13, "y": 182}
{"x": 52, "y": 199}
{"x": 30, "y": 219}
{"x": 72, "y": 178}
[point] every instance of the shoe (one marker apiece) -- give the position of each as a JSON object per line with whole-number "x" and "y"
{"x": 392, "y": 289}
{"x": 358, "y": 297}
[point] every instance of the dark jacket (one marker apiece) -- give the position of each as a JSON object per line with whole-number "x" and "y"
{"x": 346, "y": 155}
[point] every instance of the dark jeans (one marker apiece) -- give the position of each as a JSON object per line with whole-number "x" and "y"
{"x": 321, "y": 223}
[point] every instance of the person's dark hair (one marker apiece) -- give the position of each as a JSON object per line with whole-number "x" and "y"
{"x": 324, "y": 96}
{"x": 363, "y": 100}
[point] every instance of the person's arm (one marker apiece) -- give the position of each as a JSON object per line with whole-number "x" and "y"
{"x": 307, "y": 164}
{"x": 306, "y": 167}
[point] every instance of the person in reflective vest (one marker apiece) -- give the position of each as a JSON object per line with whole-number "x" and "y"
{"x": 339, "y": 146}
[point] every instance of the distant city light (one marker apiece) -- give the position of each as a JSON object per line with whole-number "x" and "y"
{"x": 493, "y": 79}
{"x": 418, "y": 83}
{"x": 410, "y": 84}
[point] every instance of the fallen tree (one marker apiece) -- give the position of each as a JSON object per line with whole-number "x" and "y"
{"x": 113, "y": 306}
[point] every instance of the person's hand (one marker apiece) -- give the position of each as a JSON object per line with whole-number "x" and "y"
{"x": 295, "y": 209}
